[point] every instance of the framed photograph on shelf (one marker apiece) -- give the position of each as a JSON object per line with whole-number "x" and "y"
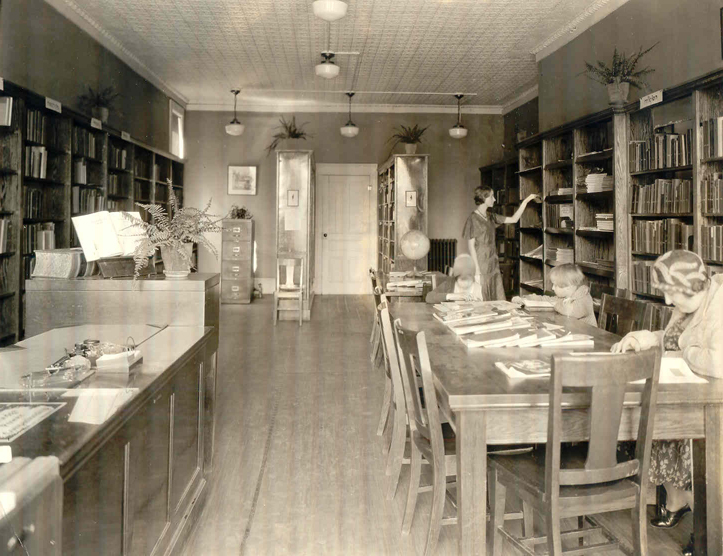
{"x": 242, "y": 180}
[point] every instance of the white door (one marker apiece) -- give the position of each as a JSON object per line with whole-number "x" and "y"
{"x": 346, "y": 235}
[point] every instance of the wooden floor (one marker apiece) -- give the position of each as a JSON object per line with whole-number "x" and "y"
{"x": 298, "y": 467}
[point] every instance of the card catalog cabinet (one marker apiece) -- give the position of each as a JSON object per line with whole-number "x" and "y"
{"x": 237, "y": 261}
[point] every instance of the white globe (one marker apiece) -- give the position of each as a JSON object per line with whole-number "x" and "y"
{"x": 414, "y": 245}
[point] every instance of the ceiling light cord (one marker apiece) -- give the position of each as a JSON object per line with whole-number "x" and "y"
{"x": 235, "y": 127}
{"x": 349, "y": 129}
{"x": 458, "y": 131}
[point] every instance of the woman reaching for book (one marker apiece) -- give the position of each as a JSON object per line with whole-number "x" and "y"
{"x": 479, "y": 231}
{"x": 696, "y": 330}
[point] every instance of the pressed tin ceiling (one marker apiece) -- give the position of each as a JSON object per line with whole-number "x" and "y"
{"x": 197, "y": 50}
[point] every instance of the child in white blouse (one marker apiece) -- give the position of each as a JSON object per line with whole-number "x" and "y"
{"x": 574, "y": 299}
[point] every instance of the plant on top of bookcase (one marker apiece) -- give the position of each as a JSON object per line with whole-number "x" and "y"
{"x": 411, "y": 136}
{"x": 289, "y": 130}
{"x": 99, "y": 102}
{"x": 621, "y": 74}
{"x": 174, "y": 234}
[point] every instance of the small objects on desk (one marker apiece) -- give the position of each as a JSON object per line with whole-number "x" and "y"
{"x": 119, "y": 362}
{"x": 536, "y": 302}
{"x": 528, "y": 368}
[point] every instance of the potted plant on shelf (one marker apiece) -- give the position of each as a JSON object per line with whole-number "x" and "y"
{"x": 239, "y": 213}
{"x": 409, "y": 137}
{"x": 289, "y": 130}
{"x": 622, "y": 74}
{"x": 174, "y": 234}
{"x": 98, "y": 103}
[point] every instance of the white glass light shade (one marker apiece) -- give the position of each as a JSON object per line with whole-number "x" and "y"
{"x": 234, "y": 128}
{"x": 349, "y": 130}
{"x": 327, "y": 70}
{"x": 329, "y": 10}
{"x": 458, "y": 131}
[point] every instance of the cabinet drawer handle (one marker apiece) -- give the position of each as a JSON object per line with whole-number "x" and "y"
{"x": 237, "y": 230}
{"x": 235, "y": 268}
{"x": 17, "y": 540}
{"x": 235, "y": 288}
{"x": 236, "y": 249}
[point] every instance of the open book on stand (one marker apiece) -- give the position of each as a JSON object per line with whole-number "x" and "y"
{"x": 107, "y": 234}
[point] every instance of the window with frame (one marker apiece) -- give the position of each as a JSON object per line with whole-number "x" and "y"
{"x": 176, "y": 116}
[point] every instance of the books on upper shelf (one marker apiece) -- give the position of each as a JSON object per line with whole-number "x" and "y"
{"x": 561, "y": 254}
{"x": 604, "y": 221}
{"x": 6, "y": 111}
{"x": 117, "y": 157}
{"x": 86, "y": 200}
{"x": 659, "y": 236}
{"x": 662, "y": 150}
{"x": 711, "y": 243}
{"x": 596, "y": 182}
{"x": 711, "y": 194}
{"x": 5, "y": 225}
{"x": 662, "y": 197}
{"x": 641, "y": 271}
{"x": 80, "y": 171}
{"x": 559, "y": 215}
{"x": 712, "y": 137}
{"x": 36, "y": 162}
{"x": 536, "y": 253}
{"x": 107, "y": 234}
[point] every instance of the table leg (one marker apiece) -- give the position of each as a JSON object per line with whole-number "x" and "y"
{"x": 708, "y": 512}
{"x": 472, "y": 482}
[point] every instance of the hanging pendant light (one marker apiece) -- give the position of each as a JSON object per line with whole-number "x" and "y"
{"x": 235, "y": 127}
{"x": 458, "y": 130}
{"x": 327, "y": 68}
{"x": 349, "y": 129}
{"x": 329, "y": 10}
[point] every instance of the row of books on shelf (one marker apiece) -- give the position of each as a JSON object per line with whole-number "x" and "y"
{"x": 712, "y": 137}
{"x": 659, "y": 236}
{"x": 561, "y": 254}
{"x": 663, "y": 196}
{"x": 114, "y": 205}
{"x": 4, "y": 274}
{"x": 86, "y": 200}
{"x": 604, "y": 221}
{"x": 5, "y": 243}
{"x": 117, "y": 157}
{"x": 40, "y": 128}
{"x": 560, "y": 216}
{"x": 80, "y": 171}
{"x": 6, "y": 111}
{"x": 641, "y": 271}
{"x": 38, "y": 236}
{"x": 7, "y": 160}
{"x": 33, "y": 203}
{"x": 85, "y": 143}
{"x": 142, "y": 168}
{"x": 711, "y": 243}
{"x": 142, "y": 191}
{"x": 36, "y": 162}
{"x": 115, "y": 185}
{"x": 662, "y": 150}
{"x": 711, "y": 194}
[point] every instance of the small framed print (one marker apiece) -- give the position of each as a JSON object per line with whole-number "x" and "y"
{"x": 242, "y": 180}
{"x": 410, "y": 198}
{"x": 292, "y": 198}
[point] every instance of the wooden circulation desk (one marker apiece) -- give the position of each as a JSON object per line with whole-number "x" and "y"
{"x": 51, "y": 303}
{"x": 134, "y": 482}
{"x": 488, "y": 408}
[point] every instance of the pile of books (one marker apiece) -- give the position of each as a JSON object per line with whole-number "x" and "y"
{"x": 6, "y": 111}
{"x": 604, "y": 221}
{"x": 563, "y": 191}
{"x": 561, "y": 254}
{"x": 658, "y": 236}
{"x": 536, "y": 302}
{"x": 595, "y": 183}
{"x": 527, "y": 336}
{"x": 36, "y": 162}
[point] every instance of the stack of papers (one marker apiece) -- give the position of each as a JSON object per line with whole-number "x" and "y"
{"x": 535, "y": 301}
{"x": 405, "y": 285}
{"x": 529, "y": 368}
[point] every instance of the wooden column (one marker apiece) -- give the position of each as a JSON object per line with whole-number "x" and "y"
{"x": 622, "y": 227}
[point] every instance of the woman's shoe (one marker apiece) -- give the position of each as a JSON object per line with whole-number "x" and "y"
{"x": 667, "y": 519}
{"x": 689, "y": 548}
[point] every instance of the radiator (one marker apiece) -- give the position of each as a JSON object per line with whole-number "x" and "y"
{"x": 441, "y": 254}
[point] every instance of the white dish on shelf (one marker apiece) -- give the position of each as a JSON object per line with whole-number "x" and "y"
{"x": 176, "y": 274}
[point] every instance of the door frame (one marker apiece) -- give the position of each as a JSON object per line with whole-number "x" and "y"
{"x": 327, "y": 169}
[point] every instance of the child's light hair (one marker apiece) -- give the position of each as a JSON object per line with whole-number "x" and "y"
{"x": 567, "y": 274}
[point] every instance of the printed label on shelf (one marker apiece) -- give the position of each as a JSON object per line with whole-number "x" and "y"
{"x": 2, "y": 84}
{"x": 96, "y": 123}
{"x": 125, "y": 136}
{"x": 652, "y": 98}
{"x": 53, "y": 105}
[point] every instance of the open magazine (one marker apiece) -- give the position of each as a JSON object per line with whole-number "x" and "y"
{"x": 107, "y": 234}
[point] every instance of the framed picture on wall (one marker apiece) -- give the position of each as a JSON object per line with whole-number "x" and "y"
{"x": 292, "y": 198}
{"x": 242, "y": 180}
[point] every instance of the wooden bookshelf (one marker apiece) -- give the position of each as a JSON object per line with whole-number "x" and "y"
{"x": 48, "y": 161}
{"x": 530, "y": 176}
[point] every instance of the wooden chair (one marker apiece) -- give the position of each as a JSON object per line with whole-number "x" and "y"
{"x": 619, "y": 315}
{"x": 290, "y": 288}
{"x": 597, "y": 290}
{"x": 563, "y": 484}
{"x": 386, "y": 404}
{"x": 427, "y": 442}
{"x": 376, "y": 336}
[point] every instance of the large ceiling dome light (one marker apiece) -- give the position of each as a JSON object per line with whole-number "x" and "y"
{"x": 327, "y": 68}
{"x": 329, "y": 10}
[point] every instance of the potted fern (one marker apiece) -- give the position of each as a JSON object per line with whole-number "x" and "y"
{"x": 174, "y": 234}
{"x": 409, "y": 137}
{"x": 288, "y": 131}
{"x": 98, "y": 103}
{"x": 622, "y": 74}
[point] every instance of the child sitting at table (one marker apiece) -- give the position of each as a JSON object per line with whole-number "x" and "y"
{"x": 574, "y": 299}
{"x": 460, "y": 286}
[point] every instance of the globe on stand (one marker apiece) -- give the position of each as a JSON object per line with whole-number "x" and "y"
{"x": 414, "y": 245}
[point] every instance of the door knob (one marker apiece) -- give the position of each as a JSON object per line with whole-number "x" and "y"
{"x": 324, "y": 235}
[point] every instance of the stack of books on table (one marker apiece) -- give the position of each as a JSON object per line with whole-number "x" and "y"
{"x": 525, "y": 335}
{"x": 534, "y": 301}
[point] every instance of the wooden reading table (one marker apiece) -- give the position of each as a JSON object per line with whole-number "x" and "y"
{"x": 486, "y": 407}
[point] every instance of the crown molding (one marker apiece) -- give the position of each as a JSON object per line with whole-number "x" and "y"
{"x": 71, "y": 11}
{"x": 312, "y": 107}
{"x": 519, "y": 100}
{"x": 598, "y": 10}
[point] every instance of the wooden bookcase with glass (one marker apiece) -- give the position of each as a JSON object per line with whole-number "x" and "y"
{"x": 531, "y": 223}
{"x": 119, "y": 190}
{"x": 89, "y": 172}
{"x": 662, "y": 195}
{"x": 558, "y": 209}
{"x": 593, "y": 176}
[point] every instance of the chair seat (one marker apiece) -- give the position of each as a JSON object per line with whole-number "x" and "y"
{"x": 288, "y": 294}
{"x": 526, "y": 472}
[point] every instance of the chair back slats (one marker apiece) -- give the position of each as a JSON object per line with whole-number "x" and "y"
{"x": 619, "y": 315}
{"x": 412, "y": 364}
{"x": 392, "y": 357}
{"x": 607, "y": 377}
{"x": 290, "y": 274}
{"x": 377, "y": 292}
{"x": 373, "y": 278}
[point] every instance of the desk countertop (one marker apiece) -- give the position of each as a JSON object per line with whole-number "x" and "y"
{"x": 195, "y": 282}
